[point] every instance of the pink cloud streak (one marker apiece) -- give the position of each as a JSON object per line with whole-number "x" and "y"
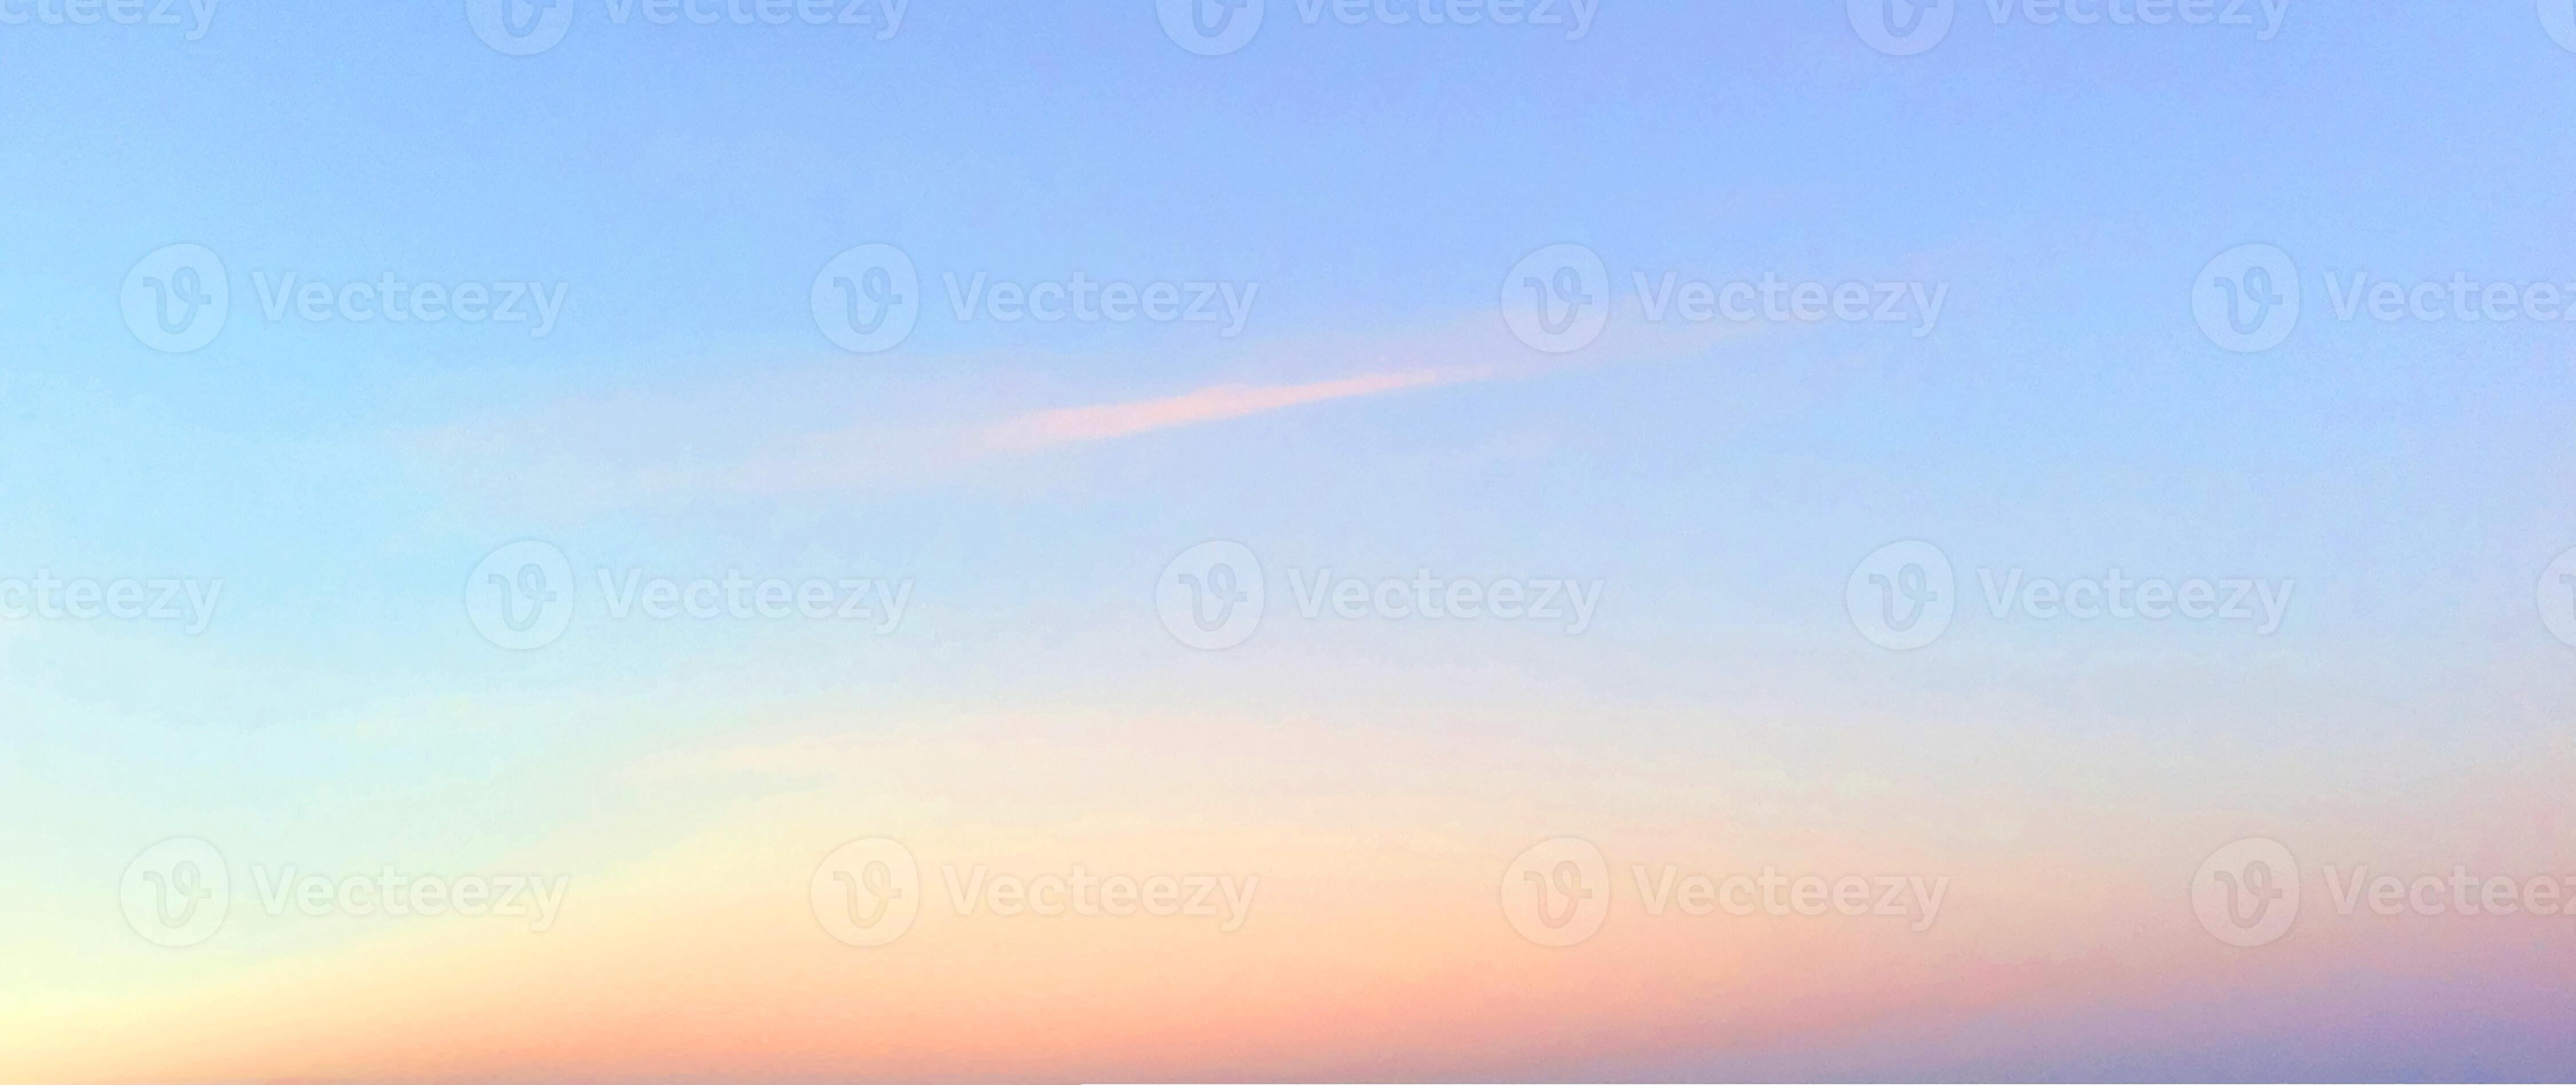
{"x": 1213, "y": 404}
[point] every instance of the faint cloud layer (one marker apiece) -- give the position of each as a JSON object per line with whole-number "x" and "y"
{"x": 578, "y": 456}
{"x": 1216, "y": 404}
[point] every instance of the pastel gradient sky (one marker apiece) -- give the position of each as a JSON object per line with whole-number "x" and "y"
{"x": 1720, "y": 484}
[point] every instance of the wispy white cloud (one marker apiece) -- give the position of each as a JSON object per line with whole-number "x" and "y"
{"x": 1065, "y": 425}
{"x": 661, "y": 450}
{"x": 1472, "y": 352}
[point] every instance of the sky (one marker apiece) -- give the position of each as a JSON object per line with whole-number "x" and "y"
{"x": 1286, "y": 540}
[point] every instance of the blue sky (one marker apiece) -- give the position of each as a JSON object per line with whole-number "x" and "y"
{"x": 2065, "y": 184}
